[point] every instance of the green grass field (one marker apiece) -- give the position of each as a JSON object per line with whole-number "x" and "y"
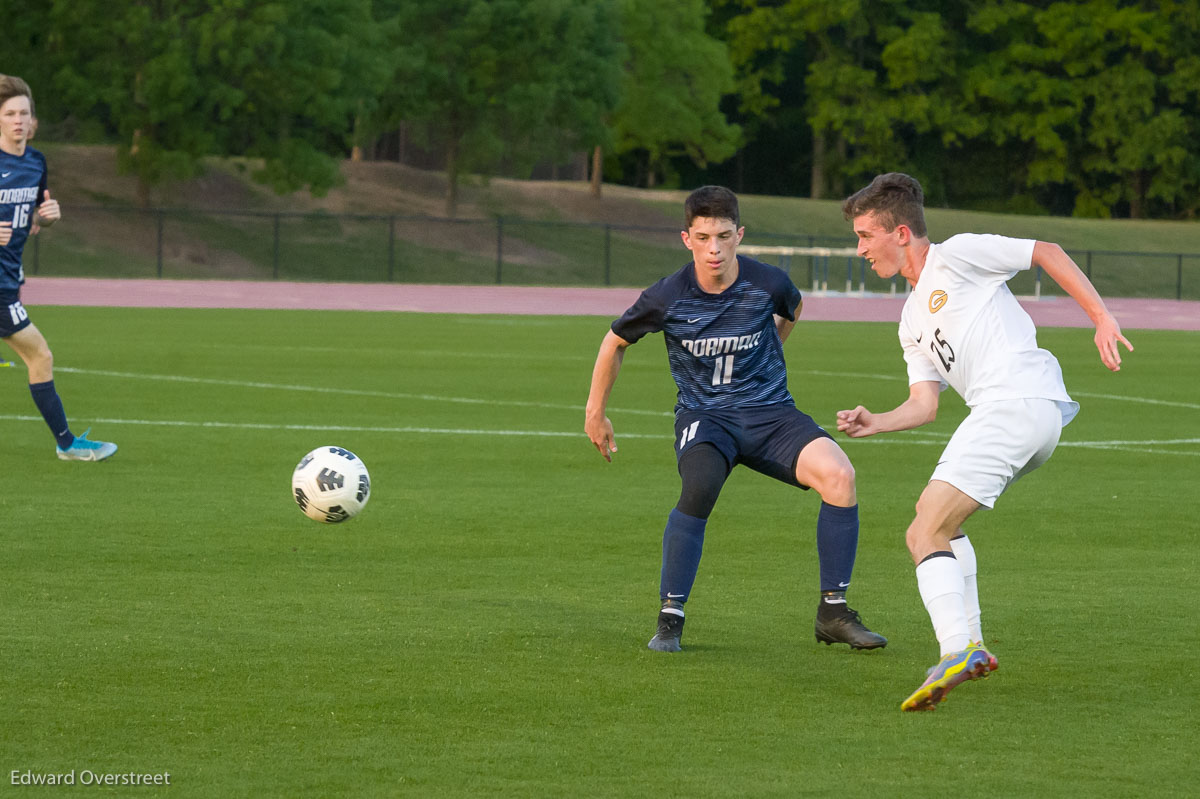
{"x": 480, "y": 629}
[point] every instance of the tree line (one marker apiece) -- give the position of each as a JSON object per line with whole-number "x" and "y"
{"x": 1085, "y": 107}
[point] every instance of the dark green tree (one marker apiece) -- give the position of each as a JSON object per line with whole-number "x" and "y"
{"x": 501, "y": 82}
{"x": 881, "y": 88}
{"x": 177, "y": 80}
{"x": 675, "y": 77}
{"x": 1101, "y": 94}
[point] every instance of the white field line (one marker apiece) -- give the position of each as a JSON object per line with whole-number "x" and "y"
{"x": 1156, "y": 447}
{"x": 332, "y": 428}
{"x": 867, "y": 375}
{"x": 213, "y": 381}
{"x": 1192, "y": 405}
{"x": 1151, "y": 446}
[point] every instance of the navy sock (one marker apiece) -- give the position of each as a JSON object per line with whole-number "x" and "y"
{"x": 837, "y": 543}
{"x": 48, "y": 402}
{"x": 683, "y": 541}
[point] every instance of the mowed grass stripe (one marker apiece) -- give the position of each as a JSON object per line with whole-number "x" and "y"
{"x": 344, "y": 391}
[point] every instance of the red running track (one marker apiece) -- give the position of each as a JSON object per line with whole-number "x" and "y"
{"x": 1132, "y": 314}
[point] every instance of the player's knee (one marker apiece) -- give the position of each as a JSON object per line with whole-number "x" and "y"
{"x": 911, "y": 537}
{"x": 703, "y": 471}
{"x": 917, "y": 539}
{"x": 838, "y": 485}
{"x": 843, "y": 478}
{"x": 42, "y": 360}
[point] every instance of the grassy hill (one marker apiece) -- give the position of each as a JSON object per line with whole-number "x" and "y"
{"x": 384, "y": 223}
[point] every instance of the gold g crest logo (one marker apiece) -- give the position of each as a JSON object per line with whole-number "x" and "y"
{"x": 936, "y": 300}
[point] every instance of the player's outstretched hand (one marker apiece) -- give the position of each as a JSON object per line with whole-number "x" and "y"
{"x": 5, "y": 233}
{"x": 1108, "y": 333}
{"x": 856, "y": 423}
{"x": 600, "y": 431}
{"x": 49, "y": 210}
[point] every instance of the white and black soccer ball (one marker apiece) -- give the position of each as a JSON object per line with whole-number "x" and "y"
{"x": 331, "y": 484}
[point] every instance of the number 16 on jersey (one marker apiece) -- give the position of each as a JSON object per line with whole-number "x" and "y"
{"x": 20, "y": 216}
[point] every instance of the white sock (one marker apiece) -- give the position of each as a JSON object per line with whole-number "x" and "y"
{"x": 965, "y": 554}
{"x": 940, "y": 581}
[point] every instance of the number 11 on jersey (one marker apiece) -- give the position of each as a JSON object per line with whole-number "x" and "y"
{"x": 723, "y": 372}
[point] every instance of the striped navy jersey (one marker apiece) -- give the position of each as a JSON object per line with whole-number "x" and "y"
{"x": 22, "y": 187}
{"x": 724, "y": 349}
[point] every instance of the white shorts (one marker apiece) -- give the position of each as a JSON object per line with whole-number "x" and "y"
{"x": 998, "y": 443}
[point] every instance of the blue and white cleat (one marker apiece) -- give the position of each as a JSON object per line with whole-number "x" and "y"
{"x": 82, "y": 449}
{"x": 972, "y": 663}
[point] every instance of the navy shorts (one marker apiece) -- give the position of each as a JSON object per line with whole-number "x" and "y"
{"x": 13, "y": 316}
{"x": 767, "y": 439}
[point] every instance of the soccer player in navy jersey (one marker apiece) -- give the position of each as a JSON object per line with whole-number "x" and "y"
{"x": 725, "y": 318}
{"x": 24, "y": 202}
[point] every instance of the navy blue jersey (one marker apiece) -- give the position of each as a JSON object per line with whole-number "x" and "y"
{"x": 22, "y": 187}
{"x": 724, "y": 349}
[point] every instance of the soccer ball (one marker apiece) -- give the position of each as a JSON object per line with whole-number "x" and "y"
{"x": 331, "y": 484}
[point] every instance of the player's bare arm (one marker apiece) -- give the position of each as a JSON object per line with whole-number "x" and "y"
{"x": 604, "y": 375}
{"x": 1067, "y": 274}
{"x": 920, "y": 408}
{"x": 48, "y": 212}
{"x": 784, "y": 326}
{"x": 5, "y": 233}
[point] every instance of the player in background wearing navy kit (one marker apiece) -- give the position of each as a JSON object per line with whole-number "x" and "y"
{"x": 725, "y": 318}
{"x": 25, "y": 201}
{"x": 962, "y": 327}
{"x": 34, "y": 228}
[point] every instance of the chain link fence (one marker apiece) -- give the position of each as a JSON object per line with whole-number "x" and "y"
{"x": 216, "y": 244}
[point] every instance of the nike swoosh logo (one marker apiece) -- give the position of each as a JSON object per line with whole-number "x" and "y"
{"x": 674, "y": 596}
{"x": 919, "y": 337}
{"x": 694, "y": 321}
{"x": 6, "y": 174}
{"x": 843, "y": 585}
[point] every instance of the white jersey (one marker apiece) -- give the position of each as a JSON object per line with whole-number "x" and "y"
{"x": 963, "y": 327}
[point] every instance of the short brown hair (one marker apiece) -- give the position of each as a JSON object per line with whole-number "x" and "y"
{"x": 711, "y": 202}
{"x": 12, "y": 86}
{"x": 895, "y": 198}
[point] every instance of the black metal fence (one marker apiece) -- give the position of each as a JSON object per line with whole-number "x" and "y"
{"x": 127, "y": 242}
{"x": 1115, "y": 273}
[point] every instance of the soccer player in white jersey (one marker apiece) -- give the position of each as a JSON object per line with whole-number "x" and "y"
{"x": 961, "y": 326}
{"x": 25, "y": 202}
{"x": 724, "y": 318}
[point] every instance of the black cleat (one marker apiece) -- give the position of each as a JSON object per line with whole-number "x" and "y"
{"x": 670, "y": 630}
{"x": 839, "y": 624}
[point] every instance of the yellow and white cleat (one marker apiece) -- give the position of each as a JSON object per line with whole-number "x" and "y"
{"x": 972, "y": 663}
